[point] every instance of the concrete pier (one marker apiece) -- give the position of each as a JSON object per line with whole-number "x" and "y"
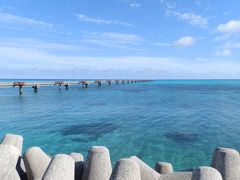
{"x": 85, "y": 84}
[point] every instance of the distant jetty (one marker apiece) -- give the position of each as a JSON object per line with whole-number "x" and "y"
{"x": 66, "y": 84}
{"x": 35, "y": 164}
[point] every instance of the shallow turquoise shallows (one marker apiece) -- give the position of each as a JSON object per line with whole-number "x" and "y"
{"x": 178, "y": 121}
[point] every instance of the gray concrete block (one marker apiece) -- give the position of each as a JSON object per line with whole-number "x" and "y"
{"x": 15, "y": 140}
{"x": 206, "y": 173}
{"x": 177, "y": 176}
{"x": 10, "y": 174}
{"x": 79, "y": 165}
{"x": 61, "y": 167}
{"x": 77, "y": 157}
{"x": 227, "y": 162}
{"x": 9, "y": 156}
{"x": 98, "y": 164}
{"x": 147, "y": 172}
{"x": 126, "y": 169}
{"x": 36, "y": 162}
{"x": 164, "y": 167}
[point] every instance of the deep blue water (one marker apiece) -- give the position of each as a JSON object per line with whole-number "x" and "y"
{"x": 178, "y": 121}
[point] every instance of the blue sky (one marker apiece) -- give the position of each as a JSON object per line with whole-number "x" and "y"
{"x": 160, "y": 39}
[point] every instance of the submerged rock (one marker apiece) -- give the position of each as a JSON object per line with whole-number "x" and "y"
{"x": 182, "y": 136}
{"x": 92, "y": 130}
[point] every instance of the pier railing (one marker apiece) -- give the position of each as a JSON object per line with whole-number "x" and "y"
{"x": 66, "y": 84}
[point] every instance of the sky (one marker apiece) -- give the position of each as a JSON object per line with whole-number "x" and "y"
{"x": 137, "y": 39}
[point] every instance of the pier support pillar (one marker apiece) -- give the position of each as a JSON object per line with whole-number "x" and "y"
{"x": 66, "y": 86}
{"x": 35, "y": 88}
{"x": 20, "y": 90}
{"x": 117, "y": 82}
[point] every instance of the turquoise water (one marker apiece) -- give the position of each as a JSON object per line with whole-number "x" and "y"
{"x": 178, "y": 121}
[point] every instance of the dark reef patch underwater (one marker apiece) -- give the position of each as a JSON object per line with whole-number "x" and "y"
{"x": 91, "y": 130}
{"x": 182, "y": 136}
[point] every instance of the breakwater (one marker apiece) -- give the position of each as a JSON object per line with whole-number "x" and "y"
{"x": 35, "y": 164}
{"x": 60, "y": 84}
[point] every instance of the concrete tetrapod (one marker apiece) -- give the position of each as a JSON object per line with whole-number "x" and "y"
{"x": 79, "y": 165}
{"x": 177, "y": 176}
{"x": 10, "y": 174}
{"x": 36, "y": 162}
{"x": 98, "y": 164}
{"x": 206, "y": 173}
{"x": 164, "y": 168}
{"x": 9, "y": 156}
{"x": 227, "y": 162}
{"x": 126, "y": 169}
{"x": 15, "y": 140}
{"x": 146, "y": 171}
{"x": 61, "y": 167}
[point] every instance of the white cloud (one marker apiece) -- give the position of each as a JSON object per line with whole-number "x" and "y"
{"x": 13, "y": 19}
{"x": 8, "y": 20}
{"x": 163, "y": 44}
{"x": 232, "y": 45}
{"x": 35, "y": 62}
{"x": 131, "y": 3}
{"x": 172, "y": 8}
{"x": 35, "y": 43}
{"x": 232, "y": 26}
{"x": 26, "y": 63}
{"x": 191, "y": 18}
{"x": 185, "y": 41}
{"x": 112, "y": 39}
{"x": 224, "y": 52}
{"x": 227, "y": 48}
{"x": 135, "y": 5}
{"x": 98, "y": 20}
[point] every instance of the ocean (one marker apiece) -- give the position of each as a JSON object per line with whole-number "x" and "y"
{"x": 177, "y": 121}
